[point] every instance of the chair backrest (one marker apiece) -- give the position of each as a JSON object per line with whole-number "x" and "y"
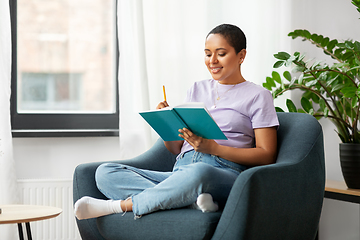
{"x": 296, "y": 134}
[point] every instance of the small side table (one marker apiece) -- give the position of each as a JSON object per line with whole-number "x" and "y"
{"x": 339, "y": 191}
{"x": 25, "y": 214}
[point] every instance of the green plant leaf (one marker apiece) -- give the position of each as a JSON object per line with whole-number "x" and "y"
{"x": 311, "y": 83}
{"x": 282, "y": 56}
{"x": 270, "y": 82}
{"x": 339, "y": 65}
{"x": 307, "y": 105}
{"x": 293, "y": 80}
{"x": 357, "y": 61}
{"x": 278, "y": 64}
{"x": 267, "y": 86}
{"x": 349, "y": 92}
{"x": 353, "y": 68}
{"x": 318, "y": 117}
{"x": 277, "y": 92}
{"x": 341, "y": 45}
{"x": 319, "y": 39}
{"x": 296, "y": 33}
{"x": 348, "y": 55}
{"x": 306, "y": 34}
{"x": 342, "y": 137}
{"x": 326, "y": 112}
{"x": 332, "y": 44}
{"x": 315, "y": 98}
{"x": 354, "y": 102}
{"x": 289, "y": 61}
{"x": 357, "y": 46}
{"x": 323, "y": 76}
{"x": 287, "y": 75}
{"x": 331, "y": 81}
{"x": 299, "y": 69}
{"x": 315, "y": 65}
{"x": 337, "y": 87}
{"x": 349, "y": 44}
{"x": 325, "y": 42}
{"x": 314, "y": 37}
{"x": 307, "y": 94}
{"x": 276, "y": 76}
{"x": 301, "y": 78}
{"x": 278, "y": 109}
{"x": 322, "y": 104}
{"x": 292, "y": 35}
{"x": 301, "y": 110}
{"x": 301, "y": 57}
{"x": 339, "y": 52}
{"x": 291, "y": 106}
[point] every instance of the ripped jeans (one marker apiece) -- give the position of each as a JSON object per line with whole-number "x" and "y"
{"x": 193, "y": 174}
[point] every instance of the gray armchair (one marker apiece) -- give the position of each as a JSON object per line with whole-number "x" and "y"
{"x": 278, "y": 201}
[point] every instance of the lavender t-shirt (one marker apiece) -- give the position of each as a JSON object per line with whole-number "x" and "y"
{"x": 240, "y": 109}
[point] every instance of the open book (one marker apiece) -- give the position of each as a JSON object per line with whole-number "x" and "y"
{"x": 193, "y": 116}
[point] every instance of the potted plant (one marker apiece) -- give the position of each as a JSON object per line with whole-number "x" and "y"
{"x": 329, "y": 90}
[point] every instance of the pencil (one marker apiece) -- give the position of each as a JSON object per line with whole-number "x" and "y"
{"x": 164, "y": 93}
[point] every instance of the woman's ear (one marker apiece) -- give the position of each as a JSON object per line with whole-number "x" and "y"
{"x": 241, "y": 56}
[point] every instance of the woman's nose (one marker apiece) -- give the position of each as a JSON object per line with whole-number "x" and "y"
{"x": 213, "y": 59}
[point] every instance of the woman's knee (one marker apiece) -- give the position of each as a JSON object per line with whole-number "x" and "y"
{"x": 103, "y": 173}
{"x": 201, "y": 171}
{"x": 102, "y": 170}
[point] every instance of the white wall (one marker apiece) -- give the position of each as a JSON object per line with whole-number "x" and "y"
{"x": 56, "y": 158}
{"x": 334, "y": 19}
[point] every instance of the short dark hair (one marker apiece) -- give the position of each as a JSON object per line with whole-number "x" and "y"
{"x": 233, "y": 34}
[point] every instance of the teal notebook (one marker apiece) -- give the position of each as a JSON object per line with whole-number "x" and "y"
{"x": 193, "y": 116}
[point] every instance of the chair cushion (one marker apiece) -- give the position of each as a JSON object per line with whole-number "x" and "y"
{"x": 169, "y": 224}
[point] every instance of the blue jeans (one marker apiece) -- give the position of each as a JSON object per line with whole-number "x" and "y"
{"x": 193, "y": 173}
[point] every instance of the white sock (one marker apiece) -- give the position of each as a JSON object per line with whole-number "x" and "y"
{"x": 206, "y": 203}
{"x": 88, "y": 207}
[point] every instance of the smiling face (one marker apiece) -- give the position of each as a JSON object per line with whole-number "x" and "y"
{"x": 222, "y": 61}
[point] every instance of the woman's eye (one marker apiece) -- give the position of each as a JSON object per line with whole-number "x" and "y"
{"x": 222, "y": 54}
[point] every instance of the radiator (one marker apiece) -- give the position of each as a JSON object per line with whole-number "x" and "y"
{"x": 55, "y": 193}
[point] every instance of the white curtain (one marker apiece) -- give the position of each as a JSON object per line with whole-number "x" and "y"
{"x": 162, "y": 43}
{"x": 8, "y": 188}
{"x": 133, "y": 80}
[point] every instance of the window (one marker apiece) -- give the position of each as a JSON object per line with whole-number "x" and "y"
{"x": 49, "y": 91}
{"x": 64, "y": 68}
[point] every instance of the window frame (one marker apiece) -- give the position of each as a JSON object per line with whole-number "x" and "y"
{"x": 59, "y": 125}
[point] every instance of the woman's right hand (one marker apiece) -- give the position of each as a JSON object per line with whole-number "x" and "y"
{"x": 162, "y": 105}
{"x": 173, "y": 146}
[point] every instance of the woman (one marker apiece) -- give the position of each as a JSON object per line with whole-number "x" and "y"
{"x": 205, "y": 169}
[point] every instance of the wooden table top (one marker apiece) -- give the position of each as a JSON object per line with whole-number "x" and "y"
{"x": 27, "y": 213}
{"x": 340, "y": 187}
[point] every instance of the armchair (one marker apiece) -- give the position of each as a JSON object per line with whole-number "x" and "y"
{"x": 277, "y": 201}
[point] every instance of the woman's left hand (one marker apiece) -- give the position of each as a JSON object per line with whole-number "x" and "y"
{"x": 198, "y": 143}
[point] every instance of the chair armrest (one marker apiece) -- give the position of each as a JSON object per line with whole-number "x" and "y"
{"x": 156, "y": 158}
{"x": 279, "y": 200}
{"x": 84, "y": 185}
